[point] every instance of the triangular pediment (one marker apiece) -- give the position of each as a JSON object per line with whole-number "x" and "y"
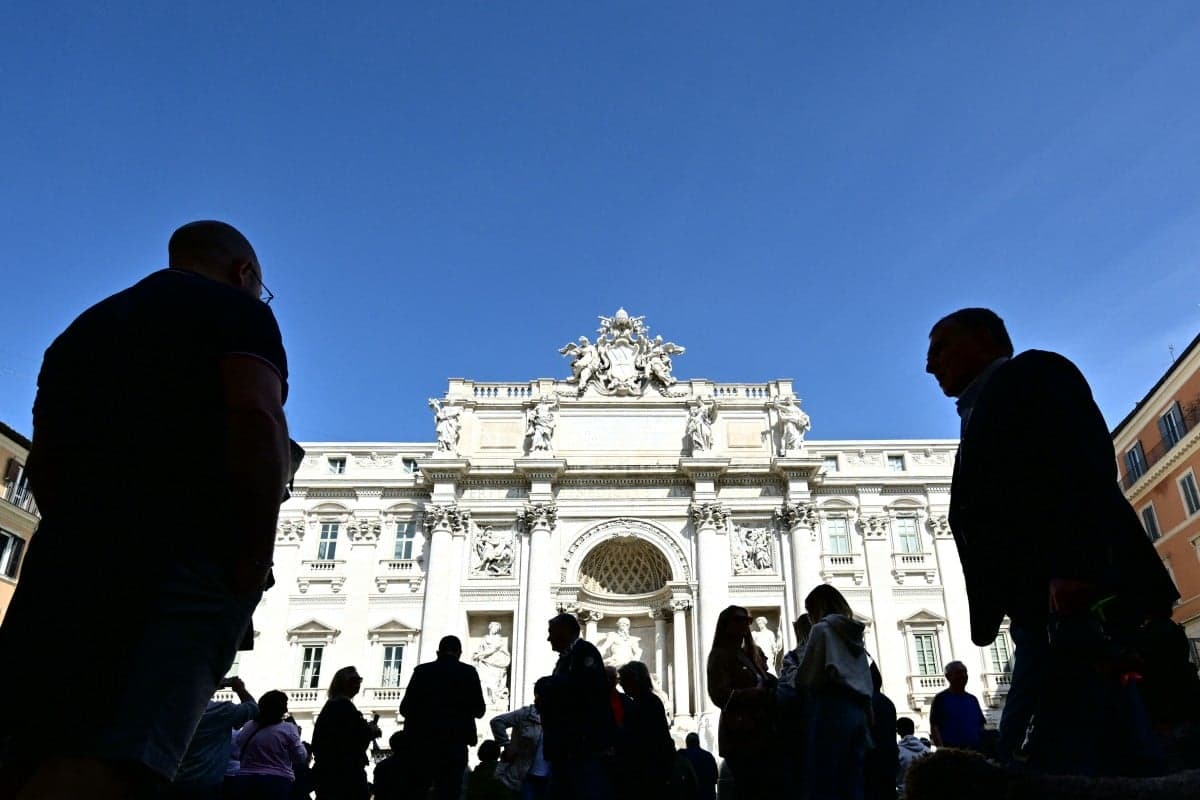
{"x": 314, "y": 628}
{"x": 393, "y": 627}
{"x": 924, "y": 617}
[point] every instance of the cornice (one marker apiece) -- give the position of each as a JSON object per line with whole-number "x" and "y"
{"x": 1153, "y": 476}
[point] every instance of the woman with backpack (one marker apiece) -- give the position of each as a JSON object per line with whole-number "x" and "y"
{"x": 269, "y": 748}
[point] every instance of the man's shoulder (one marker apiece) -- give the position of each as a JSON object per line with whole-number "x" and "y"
{"x": 1036, "y": 363}
{"x": 585, "y": 653}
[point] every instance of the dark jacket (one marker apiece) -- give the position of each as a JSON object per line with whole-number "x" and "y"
{"x": 442, "y": 702}
{"x": 1035, "y": 497}
{"x": 340, "y": 738}
{"x": 577, "y": 719}
{"x": 728, "y": 669}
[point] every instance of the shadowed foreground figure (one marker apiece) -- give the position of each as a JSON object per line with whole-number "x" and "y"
{"x": 1046, "y": 538}
{"x": 184, "y": 373}
{"x": 954, "y": 774}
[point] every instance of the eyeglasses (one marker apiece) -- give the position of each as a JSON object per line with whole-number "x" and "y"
{"x": 265, "y": 294}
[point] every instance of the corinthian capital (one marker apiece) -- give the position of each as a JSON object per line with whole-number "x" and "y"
{"x": 539, "y": 515}
{"x": 709, "y": 514}
{"x": 446, "y": 516}
{"x": 795, "y": 515}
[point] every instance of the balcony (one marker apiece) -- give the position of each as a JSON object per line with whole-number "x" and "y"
{"x": 403, "y": 573}
{"x": 995, "y": 688}
{"x": 17, "y": 493}
{"x": 922, "y": 688}
{"x": 384, "y": 695}
{"x": 1190, "y": 415}
{"x": 842, "y": 565}
{"x": 914, "y": 565}
{"x": 332, "y": 572}
{"x": 298, "y": 699}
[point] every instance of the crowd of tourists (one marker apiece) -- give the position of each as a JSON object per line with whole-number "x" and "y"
{"x": 187, "y": 370}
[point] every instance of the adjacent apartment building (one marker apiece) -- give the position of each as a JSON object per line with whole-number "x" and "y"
{"x": 1158, "y": 450}
{"x": 18, "y": 511}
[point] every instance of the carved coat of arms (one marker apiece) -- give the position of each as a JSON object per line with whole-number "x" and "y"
{"x": 623, "y": 360}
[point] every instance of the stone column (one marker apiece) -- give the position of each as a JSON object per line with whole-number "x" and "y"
{"x": 712, "y": 572}
{"x": 660, "y": 645}
{"x": 801, "y": 521}
{"x": 682, "y": 688}
{"x": 443, "y": 523}
{"x": 591, "y": 620}
{"x": 539, "y": 519}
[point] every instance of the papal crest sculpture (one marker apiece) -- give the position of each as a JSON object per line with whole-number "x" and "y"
{"x": 623, "y": 360}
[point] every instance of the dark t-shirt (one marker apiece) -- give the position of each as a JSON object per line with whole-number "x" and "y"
{"x": 130, "y": 413}
{"x": 958, "y": 718}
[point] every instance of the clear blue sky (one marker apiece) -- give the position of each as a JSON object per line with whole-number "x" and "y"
{"x": 457, "y": 189}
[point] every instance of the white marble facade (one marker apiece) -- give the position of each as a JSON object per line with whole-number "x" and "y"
{"x": 590, "y": 494}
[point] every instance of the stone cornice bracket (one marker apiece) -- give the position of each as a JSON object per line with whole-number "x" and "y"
{"x": 798, "y": 515}
{"x": 442, "y": 470}
{"x": 449, "y": 517}
{"x": 795, "y": 469}
{"x": 874, "y": 527}
{"x": 710, "y": 515}
{"x": 539, "y": 515}
{"x": 703, "y": 468}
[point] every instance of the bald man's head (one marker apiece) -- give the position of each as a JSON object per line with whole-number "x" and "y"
{"x": 216, "y": 250}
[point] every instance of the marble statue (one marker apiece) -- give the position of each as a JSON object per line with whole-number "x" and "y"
{"x": 446, "y": 424}
{"x": 793, "y": 424}
{"x": 493, "y": 552}
{"x": 492, "y": 660}
{"x": 586, "y": 363}
{"x": 623, "y": 360}
{"x": 620, "y": 647}
{"x": 539, "y": 425}
{"x": 752, "y": 550}
{"x": 766, "y": 640}
{"x": 699, "y": 426}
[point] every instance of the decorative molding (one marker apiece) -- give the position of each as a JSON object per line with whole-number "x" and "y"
{"x": 493, "y": 553}
{"x": 751, "y": 551}
{"x": 623, "y": 361}
{"x": 625, "y": 526}
{"x": 329, "y": 493}
{"x": 680, "y": 603}
{"x": 450, "y": 516}
{"x": 939, "y": 526}
{"x": 290, "y": 531}
{"x": 803, "y": 514}
{"x": 364, "y": 530}
{"x": 874, "y": 527}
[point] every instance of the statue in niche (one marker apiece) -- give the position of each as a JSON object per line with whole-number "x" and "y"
{"x": 539, "y": 425}
{"x": 767, "y": 641}
{"x": 699, "y": 426}
{"x": 586, "y": 362}
{"x": 492, "y": 659}
{"x": 752, "y": 550}
{"x": 447, "y": 425}
{"x": 493, "y": 551}
{"x": 620, "y": 647}
{"x": 793, "y": 424}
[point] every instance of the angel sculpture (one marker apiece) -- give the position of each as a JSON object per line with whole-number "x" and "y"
{"x": 699, "y": 426}
{"x": 655, "y": 360}
{"x": 793, "y": 424}
{"x": 586, "y": 363}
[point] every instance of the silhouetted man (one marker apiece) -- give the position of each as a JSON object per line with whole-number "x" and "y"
{"x": 1043, "y": 533}
{"x": 955, "y": 717}
{"x": 703, "y": 765}
{"x": 440, "y": 706}
{"x": 160, "y": 454}
{"x": 577, "y": 718}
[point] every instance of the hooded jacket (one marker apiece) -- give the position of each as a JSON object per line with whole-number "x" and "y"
{"x": 911, "y": 748}
{"x": 835, "y": 656}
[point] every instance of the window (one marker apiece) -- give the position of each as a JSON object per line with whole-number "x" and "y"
{"x": 1135, "y": 461}
{"x": 410, "y": 466}
{"x": 1170, "y": 425}
{"x": 895, "y": 463}
{"x": 310, "y": 669}
{"x": 16, "y": 485}
{"x": 327, "y": 546}
{"x": 1191, "y": 495}
{"x": 1150, "y": 520}
{"x": 830, "y": 463}
{"x": 11, "y": 547}
{"x": 406, "y": 534}
{"x": 393, "y": 659}
{"x": 1195, "y": 643}
{"x": 925, "y": 650}
{"x": 907, "y": 538}
{"x": 337, "y": 466}
{"x": 837, "y": 529}
{"x": 1000, "y": 654}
